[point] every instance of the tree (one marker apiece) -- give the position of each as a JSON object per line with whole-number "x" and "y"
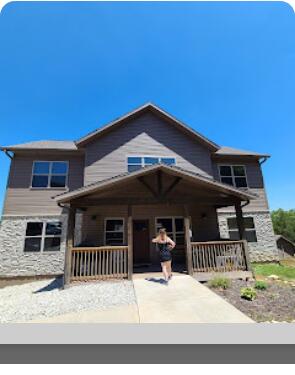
{"x": 284, "y": 223}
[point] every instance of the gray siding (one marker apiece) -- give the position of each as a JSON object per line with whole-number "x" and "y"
{"x": 204, "y": 222}
{"x": 147, "y": 135}
{"x": 22, "y": 200}
{"x": 255, "y": 183}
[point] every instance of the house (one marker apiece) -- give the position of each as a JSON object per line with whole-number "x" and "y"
{"x": 285, "y": 246}
{"x": 90, "y": 207}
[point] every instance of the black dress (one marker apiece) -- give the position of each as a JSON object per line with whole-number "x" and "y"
{"x": 164, "y": 252}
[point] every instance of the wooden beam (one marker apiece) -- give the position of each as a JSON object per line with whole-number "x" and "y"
{"x": 240, "y": 221}
{"x": 222, "y": 202}
{"x": 130, "y": 243}
{"x": 69, "y": 246}
{"x": 147, "y": 186}
{"x": 189, "y": 255}
{"x": 160, "y": 183}
{"x": 172, "y": 186}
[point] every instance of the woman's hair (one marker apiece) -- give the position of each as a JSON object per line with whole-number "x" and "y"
{"x": 162, "y": 231}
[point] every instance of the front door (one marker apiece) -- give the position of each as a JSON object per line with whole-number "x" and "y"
{"x": 141, "y": 242}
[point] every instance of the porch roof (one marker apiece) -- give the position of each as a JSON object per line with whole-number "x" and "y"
{"x": 195, "y": 178}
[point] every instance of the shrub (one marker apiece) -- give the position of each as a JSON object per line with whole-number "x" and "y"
{"x": 219, "y": 282}
{"x": 248, "y": 293}
{"x": 260, "y": 285}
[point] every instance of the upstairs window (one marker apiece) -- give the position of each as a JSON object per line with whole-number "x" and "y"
{"x": 50, "y": 174}
{"x": 234, "y": 175}
{"x": 42, "y": 236}
{"x": 250, "y": 232}
{"x": 137, "y": 162}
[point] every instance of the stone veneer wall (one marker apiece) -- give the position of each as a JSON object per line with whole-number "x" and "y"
{"x": 13, "y": 260}
{"x": 265, "y": 249}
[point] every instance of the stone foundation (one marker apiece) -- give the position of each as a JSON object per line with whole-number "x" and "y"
{"x": 265, "y": 249}
{"x": 15, "y": 262}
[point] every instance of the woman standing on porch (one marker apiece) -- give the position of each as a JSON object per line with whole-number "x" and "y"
{"x": 165, "y": 245}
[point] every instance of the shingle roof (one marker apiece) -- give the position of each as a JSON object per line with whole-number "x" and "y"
{"x": 38, "y": 145}
{"x": 225, "y": 150}
{"x": 67, "y": 196}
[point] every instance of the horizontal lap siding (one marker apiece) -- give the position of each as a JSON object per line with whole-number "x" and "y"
{"x": 147, "y": 135}
{"x": 21, "y": 200}
{"x": 204, "y": 228}
{"x": 255, "y": 184}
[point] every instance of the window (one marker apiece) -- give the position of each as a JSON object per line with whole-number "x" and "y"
{"x": 174, "y": 227}
{"x": 250, "y": 232}
{"x": 114, "y": 231}
{"x": 42, "y": 236}
{"x": 137, "y": 162}
{"x": 50, "y": 174}
{"x": 234, "y": 175}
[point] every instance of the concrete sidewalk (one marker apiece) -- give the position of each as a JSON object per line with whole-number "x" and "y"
{"x": 184, "y": 300}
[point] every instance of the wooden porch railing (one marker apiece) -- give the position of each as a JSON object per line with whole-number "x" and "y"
{"x": 219, "y": 256}
{"x": 99, "y": 263}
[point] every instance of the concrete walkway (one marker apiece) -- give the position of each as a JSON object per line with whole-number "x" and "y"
{"x": 184, "y": 300}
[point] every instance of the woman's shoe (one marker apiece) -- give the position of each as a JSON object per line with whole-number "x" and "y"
{"x": 170, "y": 277}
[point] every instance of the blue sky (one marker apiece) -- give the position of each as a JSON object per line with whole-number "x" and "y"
{"x": 226, "y": 69}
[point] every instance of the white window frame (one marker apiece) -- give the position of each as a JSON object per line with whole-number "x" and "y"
{"x": 174, "y": 232}
{"x": 232, "y": 174}
{"x": 43, "y": 236}
{"x": 50, "y": 174}
{"x": 246, "y": 229}
{"x": 148, "y": 156}
{"x": 114, "y": 231}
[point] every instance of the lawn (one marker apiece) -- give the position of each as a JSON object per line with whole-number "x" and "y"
{"x": 266, "y": 269}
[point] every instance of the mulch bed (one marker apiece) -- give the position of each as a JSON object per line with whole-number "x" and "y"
{"x": 276, "y": 303}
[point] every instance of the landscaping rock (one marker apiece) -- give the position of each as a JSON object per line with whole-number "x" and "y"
{"x": 273, "y": 277}
{"x": 44, "y": 298}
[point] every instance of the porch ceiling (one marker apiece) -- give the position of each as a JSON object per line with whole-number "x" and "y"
{"x": 154, "y": 184}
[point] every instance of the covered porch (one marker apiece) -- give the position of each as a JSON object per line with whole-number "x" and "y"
{"x": 121, "y": 215}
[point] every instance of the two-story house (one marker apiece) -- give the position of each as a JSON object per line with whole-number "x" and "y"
{"x": 93, "y": 205}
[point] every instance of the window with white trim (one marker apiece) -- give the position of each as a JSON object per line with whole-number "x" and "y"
{"x": 174, "y": 227}
{"x": 250, "y": 231}
{"x": 234, "y": 175}
{"x": 137, "y": 162}
{"x": 49, "y": 174}
{"x": 114, "y": 231}
{"x": 41, "y": 236}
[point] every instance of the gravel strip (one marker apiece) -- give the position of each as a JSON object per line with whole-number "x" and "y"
{"x": 40, "y": 299}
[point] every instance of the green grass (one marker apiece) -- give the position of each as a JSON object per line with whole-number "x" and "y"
{"x": 219, "y": 282}
{"x": 267, "y": 269}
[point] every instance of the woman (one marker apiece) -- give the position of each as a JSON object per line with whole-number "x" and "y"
{"x": 165, "y": 245}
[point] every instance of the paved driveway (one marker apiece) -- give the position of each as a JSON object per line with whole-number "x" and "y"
{"x": 184, "y": 300}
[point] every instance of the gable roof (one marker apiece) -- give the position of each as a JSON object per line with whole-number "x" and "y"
{"x": 225, "y": 150}
{"x": 207, "y": 181}
{"x": 140, "y": 110}
{"x": 39, "y": 145}
{"x": 280, "y": 236}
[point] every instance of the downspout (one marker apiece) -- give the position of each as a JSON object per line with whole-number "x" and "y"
{"x": 8, "y": 154}
{"x": 263, "y": 160}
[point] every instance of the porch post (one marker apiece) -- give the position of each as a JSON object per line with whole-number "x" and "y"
{"x": 240, "y": 221}
{"x": 130, "y": 243}
{"x": 69, "y": 245}
{"x": 189, "y": 256}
